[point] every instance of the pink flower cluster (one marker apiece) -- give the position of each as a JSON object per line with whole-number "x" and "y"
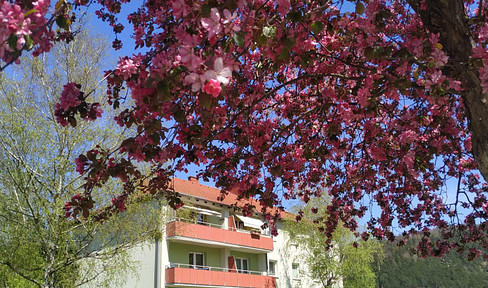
{"x": 212, "y": 78}
{"x": 70, "y": 97}
{"x": 72, "y": 102}
{"x": 23, "y": 28}
{"x": 126, "y": 68}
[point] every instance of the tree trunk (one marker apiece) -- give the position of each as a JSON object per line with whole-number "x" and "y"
{"x": 448, "y": 19}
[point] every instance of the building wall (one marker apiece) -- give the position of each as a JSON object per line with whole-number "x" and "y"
{"x": 178, "y": 253}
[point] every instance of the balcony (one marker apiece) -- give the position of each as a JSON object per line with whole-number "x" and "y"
{"x": 183, "y": 274}
{"x": 192, "y": 232}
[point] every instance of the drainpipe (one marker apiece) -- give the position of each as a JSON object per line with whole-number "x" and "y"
{"x": 157, "y": 264}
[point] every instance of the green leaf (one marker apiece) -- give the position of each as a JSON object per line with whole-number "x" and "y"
{"x": 164, "y": 91}
{"x": 269, "y": 31}
{"x": 369, "y": 52}
{"x": 29, "y": 43}
{"x": 59, "y": 4}
{"x": 239, "y": 39}
{"x": 289, "y": 42}
{"x": 317, "y": 27}
{"x": 262, "y": 40}
{"x": 359, "y": 8}
{"x": 205, "y": 100}
{"x": 62, "y": 22}
{"x": 149, "y": 82}
{"x": 294, "y": 16}
{"x": 30, "y": 12}
{"x": 206, "y": 11}
{"x": 12, "y": 41}
{"x": 285, "y": 53}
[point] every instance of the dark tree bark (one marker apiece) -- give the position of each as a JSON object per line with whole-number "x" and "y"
{"x": 448, "y": 19}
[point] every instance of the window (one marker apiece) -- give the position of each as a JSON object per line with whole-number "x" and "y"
{"x": 242, "y": 265}
{"x": 272, "y": 268}
{"x": 197, "y": 260}
{"x": 239, "y": 224}
{"x": 294, "y": 271}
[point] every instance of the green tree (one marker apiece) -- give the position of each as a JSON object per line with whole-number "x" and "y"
{"x": 349, "y": 259}
{"x": 39, "y": 246}
{"x": 403, "y": 268}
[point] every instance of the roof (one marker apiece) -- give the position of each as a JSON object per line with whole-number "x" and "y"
{"x": 193, "y": 188}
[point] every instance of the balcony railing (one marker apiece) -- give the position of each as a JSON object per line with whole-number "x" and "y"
{"x": 214, "y": 233}
{"x": 184, "y": 274}
{"x": 262, "y": 232}
{"x": 210, "y": 268}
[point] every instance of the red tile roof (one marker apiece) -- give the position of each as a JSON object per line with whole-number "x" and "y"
{"x": 193, "y": 188}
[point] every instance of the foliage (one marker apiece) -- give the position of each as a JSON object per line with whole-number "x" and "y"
{"x": 350, "y": 261}
{"x": 402, "y": 268}
{"x": 382, "y": 107}
{"x": 39, "y": 246}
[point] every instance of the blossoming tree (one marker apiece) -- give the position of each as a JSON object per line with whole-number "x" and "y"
{"x": 379, "y": 102}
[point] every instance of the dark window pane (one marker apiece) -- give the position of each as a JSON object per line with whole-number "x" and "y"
{"x": 199, "y": 259}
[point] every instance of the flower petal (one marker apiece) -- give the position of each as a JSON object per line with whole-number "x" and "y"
{"x": 226, "y": 72}
{"x": 218, "y": 64}
{"x": 210, "y": 74}
{"x": 223, "y": 80}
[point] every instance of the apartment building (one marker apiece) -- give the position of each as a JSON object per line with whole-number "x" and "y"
{"x": 209, "y": 243}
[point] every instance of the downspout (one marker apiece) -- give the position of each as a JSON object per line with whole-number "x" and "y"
{"x": 157, "y": 265}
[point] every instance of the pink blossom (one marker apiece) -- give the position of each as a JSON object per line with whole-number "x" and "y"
{"x": 220, "y": 73}
{"x": 119, "y": 203}
{"x": 483, "y": 70}
{"x": 213, "y": 88}
{"x": 195, "y": 80}
{"x": 212, "y": 24}
{"x": 440, "y": 57}
{"x": 189, "y": 59}
{"x": 94, "y": 112}
{"x": 81, "y": 164}
{"x": 229, "y": 25}
{"x": 126, "y": 68}
{"x": 408, "y": 137}
{"x": 435, "y": 78}
{"x": 180, "y": 9}
{"x": 483, "y": 34}
{"x": 70, "y": 97}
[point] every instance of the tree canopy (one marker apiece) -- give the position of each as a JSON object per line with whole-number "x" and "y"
{"x": 403, "y": 268}
{"x": 351, "y": 261}
{"x": 378, "y": 102}
{"x": 39, "y": 246}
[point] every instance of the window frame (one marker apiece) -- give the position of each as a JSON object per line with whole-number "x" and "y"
{"x": 275, "y": 265}
{"x": 194, "y": 265}
{"x": 241, "y": 262}
{"x": 295, "y": 271}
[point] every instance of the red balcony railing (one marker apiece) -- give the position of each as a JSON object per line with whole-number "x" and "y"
{"x": 202, "y": 232}
{"x": 208, "y": 277}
